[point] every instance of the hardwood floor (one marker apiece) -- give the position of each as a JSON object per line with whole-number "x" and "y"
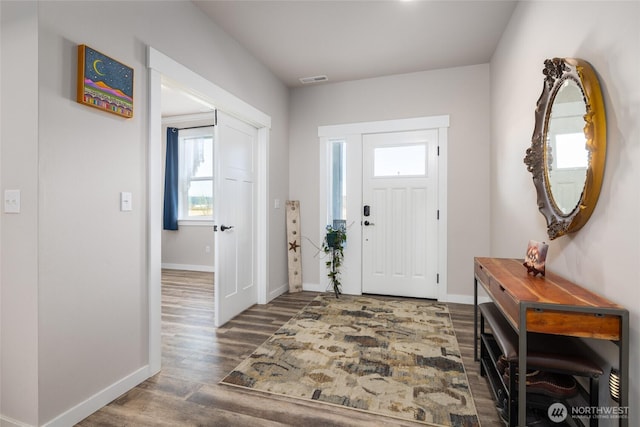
{"x": 196, "y": 356}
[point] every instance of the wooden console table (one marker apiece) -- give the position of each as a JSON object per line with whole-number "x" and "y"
{"x": 552, "y": 305}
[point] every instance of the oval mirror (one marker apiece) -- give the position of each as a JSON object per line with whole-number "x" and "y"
{"x": 568, "y": 148}
{"x": 566, "y": 155}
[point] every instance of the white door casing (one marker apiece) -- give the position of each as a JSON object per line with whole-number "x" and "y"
{"x": 400, "y": 234}
{"x": 353, "y": 134}
{"x": 234, "y": 202}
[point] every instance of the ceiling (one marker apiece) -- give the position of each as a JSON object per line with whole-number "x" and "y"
{"x": 177, "y": 102}
{"x": 357, "y": 39}
{"x": 350, "y": 40}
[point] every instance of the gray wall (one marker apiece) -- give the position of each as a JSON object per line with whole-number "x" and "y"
{"x": 462, "y": 93}
{"x": 72, "y": 262}
{"x": 189, "y": 248}
{"x": 604, "y": 255}
{"x": 19, "y": 240}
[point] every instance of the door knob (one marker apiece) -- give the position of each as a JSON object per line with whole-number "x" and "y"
{"x": 367, "y": 223}
{"x": 224, "y": 227}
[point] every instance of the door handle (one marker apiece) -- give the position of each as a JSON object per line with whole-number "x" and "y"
{"x": 367, "y": 223}
{"x": 224, "y": 227}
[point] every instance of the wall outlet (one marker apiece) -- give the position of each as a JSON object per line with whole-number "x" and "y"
{"x": 207, "y": 249}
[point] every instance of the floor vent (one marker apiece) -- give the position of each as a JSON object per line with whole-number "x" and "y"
{"x": 314, "y": 79}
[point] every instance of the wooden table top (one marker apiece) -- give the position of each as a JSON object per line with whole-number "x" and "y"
{"x": 552, "y": 289}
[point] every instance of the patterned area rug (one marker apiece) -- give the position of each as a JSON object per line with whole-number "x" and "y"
{"x": 392, "y": 358}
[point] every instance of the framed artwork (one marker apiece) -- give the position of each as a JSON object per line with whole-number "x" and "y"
{"x": 536, "y": 257}
{"x": 104, "y": 83}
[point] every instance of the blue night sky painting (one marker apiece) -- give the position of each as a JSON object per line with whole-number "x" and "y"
{"x": 101, "y": 68}
{"x": 104, "y": 83}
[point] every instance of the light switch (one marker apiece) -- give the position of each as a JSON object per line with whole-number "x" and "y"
{"x": 276, "y": 203}
{"x": 12, "y": 201}
{"x": 126, "y": 201}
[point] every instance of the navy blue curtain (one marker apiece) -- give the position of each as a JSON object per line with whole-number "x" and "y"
{"x": 170, "y": 220}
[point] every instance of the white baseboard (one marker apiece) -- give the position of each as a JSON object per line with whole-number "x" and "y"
{"x": 277, "y": 292}
{"x": 10, "y": 422}
{"x": 453, "y": 298}
{"x": 100, "y": 399}
{"x": 189, "y": 267}
{"x": 313, "y": 287}
{"x": 465, "y": 299}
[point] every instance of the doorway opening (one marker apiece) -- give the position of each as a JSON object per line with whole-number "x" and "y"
{"x": 160, "y": 68}
{"x": 187, "y": 235}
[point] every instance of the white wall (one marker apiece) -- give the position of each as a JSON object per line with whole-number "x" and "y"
{"x": 19, "y": 243}
{"x": 462, "y": 93}
{"x": 79, "y": 264}
{"x": 605, "y": 254}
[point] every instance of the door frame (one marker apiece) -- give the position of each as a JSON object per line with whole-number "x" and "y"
{"x": 159, "y": 65}
{"x": 352, "y": 134}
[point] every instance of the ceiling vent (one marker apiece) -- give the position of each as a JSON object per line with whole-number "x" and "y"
{"x": 314, "y": 79}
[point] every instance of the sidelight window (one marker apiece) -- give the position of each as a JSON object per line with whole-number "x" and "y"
{"x": 338, "y": 181}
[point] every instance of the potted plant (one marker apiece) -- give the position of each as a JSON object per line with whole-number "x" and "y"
{"x": 333, "y": 245}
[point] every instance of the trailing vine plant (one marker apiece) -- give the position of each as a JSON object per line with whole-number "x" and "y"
{"x": 333, "y": 245}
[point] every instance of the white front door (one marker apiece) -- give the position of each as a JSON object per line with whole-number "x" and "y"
{"x": 235, "y": 218}
{"x": 400, "y": 231}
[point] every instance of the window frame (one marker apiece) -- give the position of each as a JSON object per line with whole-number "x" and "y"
{"x": 184, "y": 218}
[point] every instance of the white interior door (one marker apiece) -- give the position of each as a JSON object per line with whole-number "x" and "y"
{"x": 235, "y": 217}
{"x": 400, "y": 232}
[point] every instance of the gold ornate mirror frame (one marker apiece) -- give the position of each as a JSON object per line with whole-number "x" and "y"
{"x": 559, "y": 72}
